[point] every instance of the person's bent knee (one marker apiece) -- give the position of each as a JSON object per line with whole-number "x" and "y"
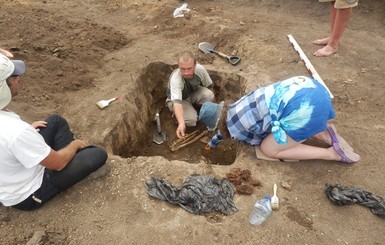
{"x": 190, "y": 115}
{"x": 270, "y": 147}
{"x": 102, "y": 155}
{"x": 53, "y": 117}
{"x": 208, "y": 95}
{"x": 56, "y": 119}
{"x": 96, "y": 155}
{"x": 266, "y": 150}
{"x": 190, "y": 122}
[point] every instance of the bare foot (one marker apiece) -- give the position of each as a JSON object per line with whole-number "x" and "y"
{"x": 322, "y": 41}
{"x": 325, "y": 51}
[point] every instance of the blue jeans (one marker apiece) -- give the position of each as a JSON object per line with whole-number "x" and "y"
{"x": 58, "y": 135}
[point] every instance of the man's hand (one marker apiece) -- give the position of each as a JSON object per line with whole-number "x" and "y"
{"x": 79, "y": 144}
{"x": 39, "y": 124}
{"x": 180, "y": 130}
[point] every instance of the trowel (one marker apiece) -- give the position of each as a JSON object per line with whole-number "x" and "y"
{"x": 159, "y": 135}
{"x": 274, "y": 199}
{"x": 104, "y": 103}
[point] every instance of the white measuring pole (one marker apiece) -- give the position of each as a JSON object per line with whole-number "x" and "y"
{"x": 308, "y": 64}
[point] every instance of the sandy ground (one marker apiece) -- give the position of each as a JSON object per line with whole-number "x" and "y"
{"x": 79, "y": 52}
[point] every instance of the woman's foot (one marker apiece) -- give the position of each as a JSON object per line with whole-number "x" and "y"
{"x": 345, "y": 155}
{"x": 322, "y": 41}
{"x": 325, "y": 51}
{"x": 343, "y": 152}
{"x": 335, "y": 138}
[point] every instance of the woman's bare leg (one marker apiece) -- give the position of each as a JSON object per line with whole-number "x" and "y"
{"x": 324, "y": 137}
{"x": 340, "y": 151}
{"x": 296, "y": 151}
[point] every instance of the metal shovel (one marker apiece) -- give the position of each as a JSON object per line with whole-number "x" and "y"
{"x": 209, "y": 48}
{"x": 159, "y": 136}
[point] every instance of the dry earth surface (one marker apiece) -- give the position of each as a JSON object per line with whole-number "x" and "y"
{"x": 79, "y": 52}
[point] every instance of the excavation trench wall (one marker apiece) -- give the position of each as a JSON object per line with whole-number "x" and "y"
{"x": 133, "y": 134}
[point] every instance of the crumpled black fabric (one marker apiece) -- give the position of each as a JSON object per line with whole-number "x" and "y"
{"x": 342, "y": 195}
{"x": 198, "y": 194}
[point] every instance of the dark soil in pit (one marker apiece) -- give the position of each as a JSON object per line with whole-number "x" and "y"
{"x": 224, "y": 154}
{"x": 133, "y": 136}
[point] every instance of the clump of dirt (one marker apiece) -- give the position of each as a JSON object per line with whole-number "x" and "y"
{"x": 242, "y": 180}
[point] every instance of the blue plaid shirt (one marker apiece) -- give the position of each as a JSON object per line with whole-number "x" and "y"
{"x": 299, "y": 107}
{"x": 248, "y": 119}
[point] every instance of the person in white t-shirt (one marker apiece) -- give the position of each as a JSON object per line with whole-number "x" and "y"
{"x": 37, "y": 161}
{"x": 189, "y": 87}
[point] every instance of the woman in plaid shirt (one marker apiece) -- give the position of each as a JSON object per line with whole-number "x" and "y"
{"x": 279, "y": 118}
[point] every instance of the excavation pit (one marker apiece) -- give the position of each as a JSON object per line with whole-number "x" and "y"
{"x": 133, "y": 134}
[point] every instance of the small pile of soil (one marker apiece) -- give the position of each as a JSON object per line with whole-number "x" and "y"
{"x": 242, "y": 180}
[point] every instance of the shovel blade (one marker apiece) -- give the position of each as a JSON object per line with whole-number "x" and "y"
{"x": 206, "y": 47}
{"x": 159, "y": 138}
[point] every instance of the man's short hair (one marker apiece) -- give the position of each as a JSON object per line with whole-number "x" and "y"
{"x": 186, "y": 56}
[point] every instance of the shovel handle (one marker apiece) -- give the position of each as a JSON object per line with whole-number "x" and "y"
{"x": 234, "y": 60}
{"x": 159, "y": 130}
{"x": 113, "y": 99}
{"x": 220, "y": 54}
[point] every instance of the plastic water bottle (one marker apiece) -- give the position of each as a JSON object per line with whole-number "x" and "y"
{"x": 261, "y": 211}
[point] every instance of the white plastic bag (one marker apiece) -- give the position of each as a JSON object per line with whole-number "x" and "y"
{"x": 179, "y": 12}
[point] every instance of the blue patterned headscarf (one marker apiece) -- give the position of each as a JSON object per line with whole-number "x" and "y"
{"x": 299, "y": 107}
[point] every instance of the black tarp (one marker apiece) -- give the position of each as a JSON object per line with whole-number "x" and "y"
{"x": 198, "y": 194}
{"x": 342, "y": 195}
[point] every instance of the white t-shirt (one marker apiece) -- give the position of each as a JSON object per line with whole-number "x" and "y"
{"x": 180, "y": 89}
{"x": 22, "y": 148}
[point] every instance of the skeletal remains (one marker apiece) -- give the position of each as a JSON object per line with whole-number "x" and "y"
{"x": 188, "y": 139}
